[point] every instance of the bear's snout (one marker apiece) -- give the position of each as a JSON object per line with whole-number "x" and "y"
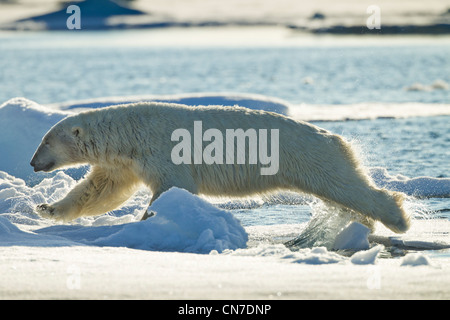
{"x": 33, "y": 164}
{"x": 46, "y": 167}
{"x": 41, "y": 166}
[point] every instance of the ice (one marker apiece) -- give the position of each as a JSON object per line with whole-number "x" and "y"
{"x": 436, "y": 85}
{"x": 353, "y": 236}
{"x": 425, "y": 187}
{"x": 11, "y": 235}
{"x": 367, "y": 110}
{"x": 262, "y": 250}
{"x": 17, "y": 197}
{"x": 316, "y": 256}
{"x": 367, "y": 256}
{"x": 23, "y": 123}
{"x": 312, "y": 256}
{"x": 415, "y": 259}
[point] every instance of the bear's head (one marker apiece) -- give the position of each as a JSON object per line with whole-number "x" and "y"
{"x": 60, "y": 146}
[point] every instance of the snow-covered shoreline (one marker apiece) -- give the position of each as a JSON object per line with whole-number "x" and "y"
{"x": 318, "y": 17}
{"x": 93, "y": 273}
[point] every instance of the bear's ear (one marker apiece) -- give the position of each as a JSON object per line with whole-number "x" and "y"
{"x": 77, "y": 131}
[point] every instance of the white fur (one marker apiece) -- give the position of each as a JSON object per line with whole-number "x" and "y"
{"x": 130, "y": 144}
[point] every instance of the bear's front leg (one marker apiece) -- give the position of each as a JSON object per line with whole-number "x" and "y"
{"x": 101, "y": 191}
{"x": 54, "y": 211}
{"x": 71, "y": 206}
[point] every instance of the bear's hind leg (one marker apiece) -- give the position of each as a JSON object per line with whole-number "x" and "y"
{"x": 101, "y": 191}
{"x": 147, "y": 213}
{"x": 354, "y": 191}
{"x": 159, "y": 186}
{"x": 338, "y": 176}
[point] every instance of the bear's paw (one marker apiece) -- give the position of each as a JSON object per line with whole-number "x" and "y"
{"x": 45, "y": 210}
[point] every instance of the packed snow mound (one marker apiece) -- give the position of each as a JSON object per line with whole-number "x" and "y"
{"x": 367, "y": 256}
{"x": 415, "y": 259}
{"x": 353, "y": 236}
{"x": 23, "y": 123}
{"x": 183, "y": 223}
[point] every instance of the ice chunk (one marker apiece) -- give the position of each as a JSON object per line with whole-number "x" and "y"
{"x": 415, "y": 259}
{"x": 353, "y": 236}
{"x": 367, "y": 256}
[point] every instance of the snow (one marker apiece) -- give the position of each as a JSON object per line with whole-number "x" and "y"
{"x": 183, "y": 223}
{"x": 19, "y": 139}
{"x": 415, "y": 259}
{"x": 76, "y": 272}
{"x": 368, "y": 110}
{"x": 301, "y": 16}
{"x": 190, "y": 248}
{"x": 353, "y": 236}
{"x": 315, "y": 256}
{"x": 425, "y": 187}
{"x": 367, "y": 256}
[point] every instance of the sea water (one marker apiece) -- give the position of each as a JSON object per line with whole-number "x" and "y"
{"x": 62, "y": 66}
{"x": 49, "y": 68}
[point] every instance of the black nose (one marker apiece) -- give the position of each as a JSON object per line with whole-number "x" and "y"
{"x": 32, "y": 163}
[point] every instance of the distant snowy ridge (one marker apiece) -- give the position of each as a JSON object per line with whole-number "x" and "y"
{"x": 363, "y": 111}
{"x": 319, "y": 17}
{"x": 252, "y": 101}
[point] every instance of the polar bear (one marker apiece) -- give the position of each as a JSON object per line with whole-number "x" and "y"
{"x": 128, "y": 145}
